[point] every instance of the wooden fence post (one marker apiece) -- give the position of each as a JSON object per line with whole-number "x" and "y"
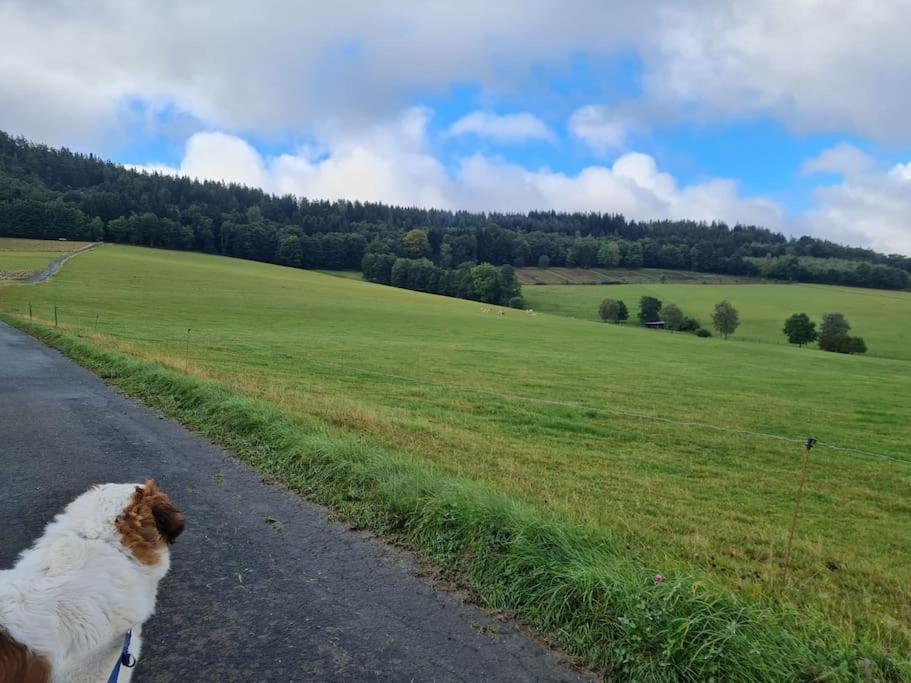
{"x": 803, "y": 477}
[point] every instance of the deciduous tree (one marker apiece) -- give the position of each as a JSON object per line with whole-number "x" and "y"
{"x": 416, "y": 244}
{"x": 725, "y": 318}
{"x": 486, "y": 280}
{"x": 800, "y": 329}
{"x": 624, "y": 311}
{"x": 833, "y": 334}
{"x": 672, "y": 317}
{"x": 649, "y": 309}
{"x": 609, "y": 310}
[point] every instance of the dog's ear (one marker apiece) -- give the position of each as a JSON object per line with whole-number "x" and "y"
{"x": 168, "y": 519}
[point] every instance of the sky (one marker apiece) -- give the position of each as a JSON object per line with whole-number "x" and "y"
{"x": 792, "y": 114}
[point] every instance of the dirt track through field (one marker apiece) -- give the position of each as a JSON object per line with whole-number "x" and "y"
{"x": 56, "y": 264}
{"x": 263, "y": 586}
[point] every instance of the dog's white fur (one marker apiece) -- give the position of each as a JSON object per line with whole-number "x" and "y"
{"x": 74, "y": 594}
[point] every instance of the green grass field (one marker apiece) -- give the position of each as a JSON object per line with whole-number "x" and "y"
{"x": 613, "y": 276}
{"x": 20, "y": 259}
{"x": 882, "y": 318}
{"x": 552, "y": 413}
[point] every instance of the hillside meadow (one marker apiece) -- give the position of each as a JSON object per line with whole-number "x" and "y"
{"x": 559, "y": 415}
{"x": 20, "y": 259}
{"x": 626, "y": 276}
{"x": 881, "y": 317}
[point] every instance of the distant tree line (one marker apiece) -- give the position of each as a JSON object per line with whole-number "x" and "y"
{"x": 485, "y": 282}
{"x": 832, "y": 335}
{"x": 799, "y": 329}
{"x": 833, "y": 271}
{"x": 652, "y": 310}
{"x": 51, "y": 193}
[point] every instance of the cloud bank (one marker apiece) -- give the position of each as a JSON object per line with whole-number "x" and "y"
{"x": 393, "y": 163}
{"x": 869, "y": 205}
{"x": 283, "y": 65}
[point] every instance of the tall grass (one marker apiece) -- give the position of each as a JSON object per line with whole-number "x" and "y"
{"x": 599, "y": 599}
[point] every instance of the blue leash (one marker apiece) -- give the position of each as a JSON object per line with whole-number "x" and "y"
{"x": 125, "y": 659}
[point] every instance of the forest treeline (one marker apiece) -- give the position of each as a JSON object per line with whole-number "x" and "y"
{"x": 52, "y": 193}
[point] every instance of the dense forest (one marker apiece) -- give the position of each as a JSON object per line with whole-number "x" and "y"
{"x": 53, "y": 193}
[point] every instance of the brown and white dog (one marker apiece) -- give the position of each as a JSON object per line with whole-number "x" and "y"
{"x": 92, "y": 577}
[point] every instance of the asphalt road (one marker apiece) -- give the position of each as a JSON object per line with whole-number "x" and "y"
{"x": 244, "y": 601}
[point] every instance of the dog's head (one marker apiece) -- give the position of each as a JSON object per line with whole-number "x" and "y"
{"x": 141, "y": 518}
{"x": 149, "y": 523}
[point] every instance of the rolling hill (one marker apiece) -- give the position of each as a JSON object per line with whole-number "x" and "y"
{"x": 879, "y": 316}
{"x": 675, "y": 457}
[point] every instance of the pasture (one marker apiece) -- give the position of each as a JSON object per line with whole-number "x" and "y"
{"x": 881, "y": 317}
{"x": 630, "y": 276}
{"x": 21, "y": 259}
{"x": 636, "y": 435}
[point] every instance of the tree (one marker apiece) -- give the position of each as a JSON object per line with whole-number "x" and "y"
{"x": 609, "y": 310}
{"x": 623, "y": 313}
{"x": 289, "y": 251}
{"x": 632, "y": 256}
{"x": 583, "y": 253}
{"x": 800, "y": 329}
{"x": 672, "y": 317}
{"x": 689, "y": 324}
{"x": 649, "y": 309}
{"x": 416, "y": 243}
{"x": 856, "y": 345}
{"x": 725, "y": 318}
{"x": 422, "y": 276}
{"x": 398, "y": 276}
{"x": 544, "y": 261}
{"x": 609, "y": 254}
{"x": 833, "y": 335}
{"x": 508, "y": 283}
{"x": 486, "y": 281}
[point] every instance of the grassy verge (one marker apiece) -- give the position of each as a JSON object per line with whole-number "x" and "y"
{"x": 600, "y": 600}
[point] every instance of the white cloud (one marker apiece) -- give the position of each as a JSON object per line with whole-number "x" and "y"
{"x": 216, "y": 156}
{"x": 633, "y": 185}
{"x": 223, "y": 157}
{"x": 843, "y": 159}
{"x": 269, "y": 67}
{"x": 388, "y": 163}
{"x": 69, "y": 71}
{"x": 520, "y": 127}
{"x": 600, "y": 128}
{"x": 901, "y": 171}
{"x": 814, "y": 65}
{"x": 393, "y": 163}
{"x": 869, "y": 206}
